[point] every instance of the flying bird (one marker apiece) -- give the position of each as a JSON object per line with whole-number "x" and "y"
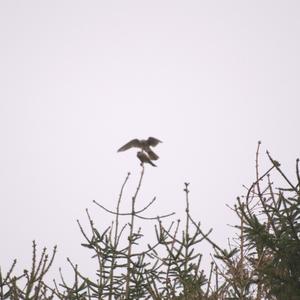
{"x": 143, "y": 157}
{"x": 144, "y": 145}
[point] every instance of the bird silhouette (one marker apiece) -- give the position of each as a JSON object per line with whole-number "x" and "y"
{"x": 144, "y": 158}
{"x": 144, "y": 145}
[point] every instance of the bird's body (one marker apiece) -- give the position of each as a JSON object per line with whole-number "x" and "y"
{"x": 144, "y": 145}
{"x": 143, "y": 157}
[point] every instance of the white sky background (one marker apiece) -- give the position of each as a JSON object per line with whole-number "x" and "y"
{"x": 78, "y": 79}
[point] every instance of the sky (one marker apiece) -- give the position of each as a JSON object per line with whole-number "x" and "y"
{"x": 79, "y": 79}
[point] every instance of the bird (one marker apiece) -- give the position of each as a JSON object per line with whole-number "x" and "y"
{"x": 144, "y": 145}
{"x": 143, "y": 157}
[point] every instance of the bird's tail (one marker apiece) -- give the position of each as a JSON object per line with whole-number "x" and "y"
{"x": 151, "y": 154}
{"x": 152, "y": 164}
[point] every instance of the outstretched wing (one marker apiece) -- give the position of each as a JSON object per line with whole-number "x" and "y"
{"x": 153, "y": 141}
{"x": 131, "y": 144}
{"x": 151, "y": 154}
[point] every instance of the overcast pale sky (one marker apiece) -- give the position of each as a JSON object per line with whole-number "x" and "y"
{"x": 78, "y": 79}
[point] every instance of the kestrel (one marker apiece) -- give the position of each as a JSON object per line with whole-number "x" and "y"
{"x": 144, "y": 145}
{"x": 143, "y": 157}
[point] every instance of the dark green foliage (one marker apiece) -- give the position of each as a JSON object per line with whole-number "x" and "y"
{"x": 30, "y": 284}
{"x": 263, "y": 262}
{"x": 274, "y": 235}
